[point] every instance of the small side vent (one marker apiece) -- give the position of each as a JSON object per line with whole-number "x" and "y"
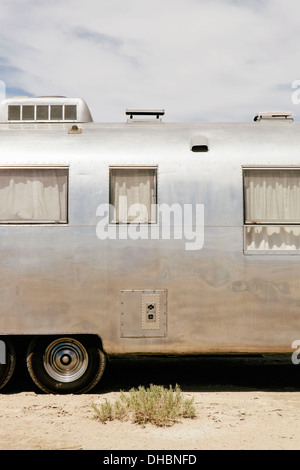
{"x": 274, "y": 116}
{"x": 199, "y": 143}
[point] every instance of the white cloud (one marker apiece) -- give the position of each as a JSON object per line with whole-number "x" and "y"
{"x": 199, "y": 59}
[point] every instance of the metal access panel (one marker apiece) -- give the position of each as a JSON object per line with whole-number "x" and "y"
{"x": 143, "y": 313}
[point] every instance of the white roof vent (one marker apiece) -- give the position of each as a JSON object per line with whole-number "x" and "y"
{"x": 275, "y": 116}
{"x": 48, "y": 109}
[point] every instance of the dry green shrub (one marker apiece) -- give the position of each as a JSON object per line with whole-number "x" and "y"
{"x": 156, "y": 405}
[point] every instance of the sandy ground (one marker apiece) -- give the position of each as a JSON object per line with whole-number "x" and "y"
{"x": 241, "y": 404}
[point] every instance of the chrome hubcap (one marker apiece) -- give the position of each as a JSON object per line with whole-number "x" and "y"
{"x": 65, "y": 360}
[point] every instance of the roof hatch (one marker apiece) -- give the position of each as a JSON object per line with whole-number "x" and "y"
{"x": 48, "y": 109}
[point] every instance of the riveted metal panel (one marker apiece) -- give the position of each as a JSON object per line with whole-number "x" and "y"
{"x": 143, "y": 313}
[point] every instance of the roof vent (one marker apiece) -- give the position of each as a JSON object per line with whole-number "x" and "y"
{"x": 49, "y": 109}
{"x": 274, "y": 116}
{"x": 154, "y": 113}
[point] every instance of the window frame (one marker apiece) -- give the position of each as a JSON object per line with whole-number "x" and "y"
{"x": 40, "y": 222}
{"x": 155, "y": 184}
{"x": 264, "y": 224}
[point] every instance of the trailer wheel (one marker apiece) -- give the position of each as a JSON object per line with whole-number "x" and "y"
{"x": 7, "y": 369}
{"x": 65, "y": 365}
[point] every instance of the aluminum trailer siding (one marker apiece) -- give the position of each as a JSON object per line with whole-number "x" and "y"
{"x": 63, "y": 280}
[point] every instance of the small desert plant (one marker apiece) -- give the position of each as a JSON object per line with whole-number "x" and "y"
{"x": 105, "y": 412}
{"x": 156, "y": 405}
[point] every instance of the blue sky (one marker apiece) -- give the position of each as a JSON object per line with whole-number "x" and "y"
{"x": 200, "y": 60}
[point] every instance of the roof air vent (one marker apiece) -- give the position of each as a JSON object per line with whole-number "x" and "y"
{"x": 274, "y": 116}
{"x": 48, "y": 109}
{"x": 154, "y": 113}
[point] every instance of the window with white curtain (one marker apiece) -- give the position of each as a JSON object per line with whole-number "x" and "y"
{"x": 33, "y": 195}
{"x": 133, "y": 195}
{"x": 272, "y": 209}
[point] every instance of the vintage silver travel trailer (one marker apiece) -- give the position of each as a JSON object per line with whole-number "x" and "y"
{"x": 143, "y": 237}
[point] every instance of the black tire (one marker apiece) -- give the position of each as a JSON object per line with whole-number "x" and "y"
{"x": 63, "y": 365}
{"x": 7, "y": 369}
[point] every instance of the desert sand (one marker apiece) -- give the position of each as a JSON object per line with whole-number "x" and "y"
{"x": 242, "y": 404}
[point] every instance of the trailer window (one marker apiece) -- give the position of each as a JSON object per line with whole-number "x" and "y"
{"x": 70, "y": 112}
{"x": 14, "y": 112}
{"x": 56, "y": 112}
{"x": 272, "y": 209}
{"x": 27, "y": 113}
{"x": 33, "y": 195}
{"x": 42, "y": 112}
{"x": 133, "y": 195}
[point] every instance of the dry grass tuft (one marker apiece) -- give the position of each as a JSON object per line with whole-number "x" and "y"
{"x": 156, "y": 405}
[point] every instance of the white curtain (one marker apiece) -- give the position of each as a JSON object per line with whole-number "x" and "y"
{"x": 272, "y": 238}
{"x": 33, "y": 195}
{"x": 132, "y": 195}
{"x": 272, "y": 197}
